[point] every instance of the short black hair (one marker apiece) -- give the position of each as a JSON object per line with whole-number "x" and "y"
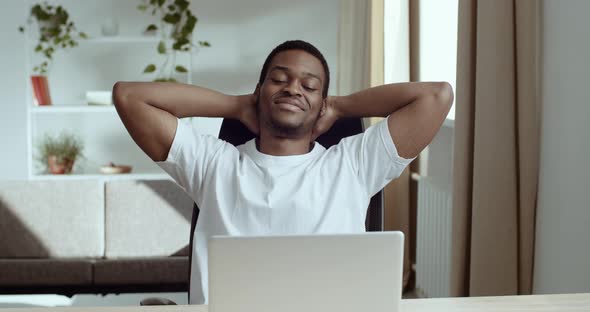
{"x": 297, "y": 45}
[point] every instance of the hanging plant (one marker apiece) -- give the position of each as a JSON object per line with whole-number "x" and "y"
{"x": 56, "y": 31}
{"x": 176, "y": 27}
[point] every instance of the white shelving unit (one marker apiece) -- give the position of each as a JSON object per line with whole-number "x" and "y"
{"x": 91, "y": 113}
{"x": 62, "y": 109}
{"x": 123, "y": 39}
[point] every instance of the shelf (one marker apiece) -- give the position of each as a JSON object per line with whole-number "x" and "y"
{"x": 53, "y": 109}
{"x": 123, "y": 39}
{"x": 126, "y": 176}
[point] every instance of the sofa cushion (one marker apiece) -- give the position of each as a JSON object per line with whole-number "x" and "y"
{"x": 41, "y": 219}
{"x": 146, "y": 219}
{"x": 141, "y": 271}
{"x": 45, "y": 272}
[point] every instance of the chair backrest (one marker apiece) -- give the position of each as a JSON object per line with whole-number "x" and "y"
{"x": 236, "y": 133}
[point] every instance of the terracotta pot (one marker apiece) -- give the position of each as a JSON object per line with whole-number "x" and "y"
{"x": 40, "y": 90}
{"x": 56, "y": 167}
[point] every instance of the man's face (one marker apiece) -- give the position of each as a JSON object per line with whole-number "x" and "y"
{"x": 290, "y": 98}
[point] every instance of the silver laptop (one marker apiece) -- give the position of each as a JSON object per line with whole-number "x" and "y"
{"x": 344, "y": 272}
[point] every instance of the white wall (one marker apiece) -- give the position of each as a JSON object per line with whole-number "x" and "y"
{"x": 242, "y": 34}
{"x": 562, "y": 259}
{"x": 12, "y": 93}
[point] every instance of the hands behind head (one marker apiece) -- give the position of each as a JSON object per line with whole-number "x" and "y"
{"x": 327, "y": 118}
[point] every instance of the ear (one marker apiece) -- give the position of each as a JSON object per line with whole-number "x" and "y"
{"x": 257, "y": 90}
{"x": 324, "y": 106}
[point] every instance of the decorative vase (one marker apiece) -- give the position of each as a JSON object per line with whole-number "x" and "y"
{"x": 40, "y": 90}
{"x": 110, "y": 27}
{"x": 57, "y": 167}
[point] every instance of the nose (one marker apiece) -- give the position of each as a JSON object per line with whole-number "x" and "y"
{"x": 292, "y": 88}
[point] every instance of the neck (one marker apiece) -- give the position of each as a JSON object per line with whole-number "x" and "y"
{"x": 280, "y": 146}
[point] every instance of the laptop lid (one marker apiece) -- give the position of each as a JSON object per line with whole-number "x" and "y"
{"x": 342, "y": 272}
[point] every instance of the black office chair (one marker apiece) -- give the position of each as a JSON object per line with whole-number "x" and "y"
{"x": 235, "y": 133}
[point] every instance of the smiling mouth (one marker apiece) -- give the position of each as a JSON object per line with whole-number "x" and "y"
{"x": 289, "y": 106}
{"x": 287, "y": 103}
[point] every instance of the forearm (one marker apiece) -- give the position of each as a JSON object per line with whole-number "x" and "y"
{"x": 383, "y": 100}
{"x": 180, "y": 100}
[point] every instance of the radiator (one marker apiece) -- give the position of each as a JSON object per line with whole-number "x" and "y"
{"x": 433, "y": 238}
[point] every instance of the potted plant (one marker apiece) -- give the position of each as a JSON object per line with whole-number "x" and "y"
{"x": 58, "y": 154}
{"x": 176, "y": 26}
{"x": 55, "y": 31}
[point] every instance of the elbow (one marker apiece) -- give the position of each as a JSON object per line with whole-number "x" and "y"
{"x": 444, "y": 95}
{"x": 120, "y": 93}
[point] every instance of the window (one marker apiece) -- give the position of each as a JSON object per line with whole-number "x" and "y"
{"x": 438, "y": 42}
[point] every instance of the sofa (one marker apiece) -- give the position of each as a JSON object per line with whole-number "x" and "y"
{"x": 93, "y": 236}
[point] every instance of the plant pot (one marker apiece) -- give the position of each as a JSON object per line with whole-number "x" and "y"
{"x": 57, "y": 167}
{"x": 40, "y": 86}
{"x": 45, "y": 26}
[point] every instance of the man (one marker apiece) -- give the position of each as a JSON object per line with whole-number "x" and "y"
{"x": 281, "y": 182}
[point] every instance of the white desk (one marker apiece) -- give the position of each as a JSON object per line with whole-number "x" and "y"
{"x": 540, "y": 303}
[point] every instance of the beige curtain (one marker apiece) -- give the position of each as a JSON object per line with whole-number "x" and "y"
{"x": 496, "y": 153}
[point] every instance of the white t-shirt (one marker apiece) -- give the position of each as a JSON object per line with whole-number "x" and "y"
{"x": 241, "y": 191}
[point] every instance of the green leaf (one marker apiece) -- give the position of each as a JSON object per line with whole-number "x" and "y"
{"x": 181, "y": 4}
{"x": 180, "y": 43}
{"x": 176, "y": 46}
{"x": 149, "y": 69}
{"x": 38, "y": 48}
{"x": 83, "y": 35}
{"x": 21, "y": 29}
{"x": 181, "y": 69}
{"x": 151, "y": 27}
{"x": 171, "y": 8}
{"x": 171, "y": 18}
{"x": 142, "y": 7}
{"x": 36, "y": 68}
{"x": 190, "y": 25}
{"x": 161, "y": 2}
{"x": 39, "y": 13}
{"x": 162, "y": 47}
{"x": 205, "y": 44}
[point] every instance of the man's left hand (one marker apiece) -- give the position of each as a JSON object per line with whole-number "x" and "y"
{"x": 327, "y": 118}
